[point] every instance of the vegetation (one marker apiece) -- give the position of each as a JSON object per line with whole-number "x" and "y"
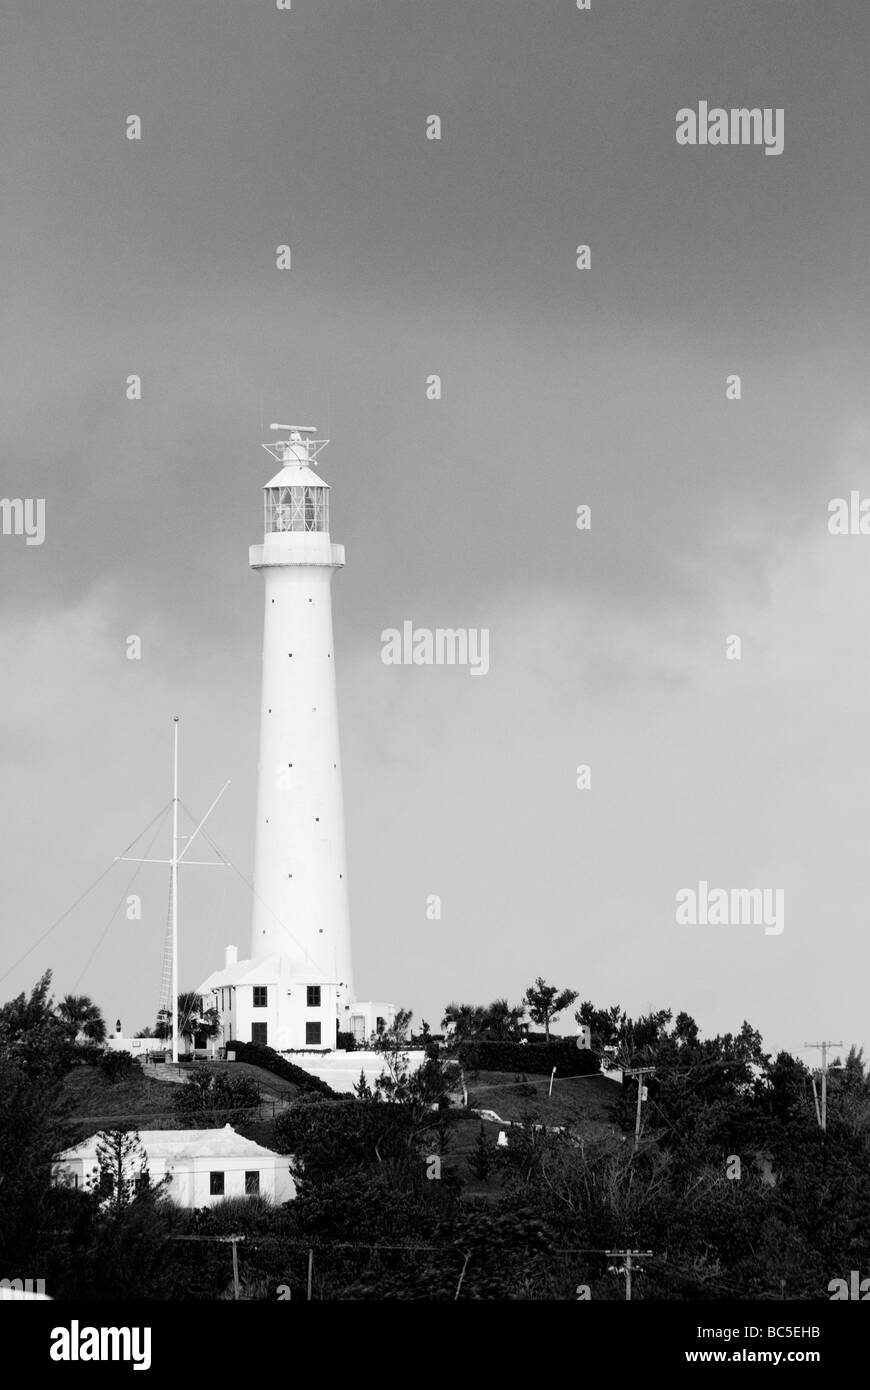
{"x": 215, "y": 1098}
{"x": 115, "y": 1065}
{"x": 545, "y": 1002}
{"x": 270, "y": 1060}
{"x": 404, "y": 1194}
{"x": 80, "y": 1015}
{"x": 539, "y": 1058}
{"x": 194, "y": 1022}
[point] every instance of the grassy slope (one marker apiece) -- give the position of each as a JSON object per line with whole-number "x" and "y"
{"x": 134, "y": 1103}
{"x": 586, "y": 1100}
{"x": 140, "y": 1102}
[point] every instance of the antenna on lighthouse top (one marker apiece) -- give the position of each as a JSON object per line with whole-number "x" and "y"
{"x": 299, "y": 448}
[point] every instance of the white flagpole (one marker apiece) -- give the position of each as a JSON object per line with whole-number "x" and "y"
{"x": 175, "y": 891}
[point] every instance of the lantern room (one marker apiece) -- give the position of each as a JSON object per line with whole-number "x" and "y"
{"x": 296, "y": 499}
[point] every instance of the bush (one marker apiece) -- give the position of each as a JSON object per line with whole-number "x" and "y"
{"x": 272, "y": 1061}
{"x": 216, "y": 1098}
{"x": 346, "y": 1042}
{"x": 482, "y": 1160}
{"x": 541, "y": 1058}
{"x": 115, "y": 1066}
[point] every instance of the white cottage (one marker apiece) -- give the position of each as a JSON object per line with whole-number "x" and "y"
{"x": 203, "y": 1166}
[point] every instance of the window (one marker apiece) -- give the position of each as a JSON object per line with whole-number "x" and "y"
{"x": 259, "y": 996}
{"x": 216, "y": 1184}
{"x": 297, "y": 508}
{"x": 380, "y": 1024}
{"x": 312, "y": 1034}
{"x": 259, "y": 1033}
{"x": 314, "y": 996}
{"x": 252, "y": 1184}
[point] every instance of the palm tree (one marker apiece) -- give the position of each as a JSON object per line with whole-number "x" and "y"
{"x": 501, "y": 1020}
{"x": 467, "y": 1018}
{"x": 193, "y": 1020}
{"x": 79, "y": 1014}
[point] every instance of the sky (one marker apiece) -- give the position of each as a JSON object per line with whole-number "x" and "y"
{"x": 561, "y": 387}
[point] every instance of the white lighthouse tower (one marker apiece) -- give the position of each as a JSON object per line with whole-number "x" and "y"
{"x": 295, "y": 990}
{"x": 300, "y": 868}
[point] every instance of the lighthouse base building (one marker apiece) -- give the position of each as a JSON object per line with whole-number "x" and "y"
{"x": 295, "y": 991}
{"x": 264, "y": 1000}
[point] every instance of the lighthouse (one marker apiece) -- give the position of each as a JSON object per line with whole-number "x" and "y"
{"x": 294, "y": 991}
{"x": 300, "y": 866}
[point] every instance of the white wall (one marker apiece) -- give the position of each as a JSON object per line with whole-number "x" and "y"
{"x": 190, "y": 1177}
{"x": 285, "y": 1015}
{"x": 341, "y": 1070}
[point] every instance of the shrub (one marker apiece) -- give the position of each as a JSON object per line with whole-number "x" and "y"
{"x": 216, "y": 1098}
{"x": 482, "y": 1160}
{"x": 116, "y": 1065}
{"x": 568, "y": 1059}
{"x": 346, "y": 1042}
{"x": 86, "y": 1054}
{"x": 270, "y": 1060}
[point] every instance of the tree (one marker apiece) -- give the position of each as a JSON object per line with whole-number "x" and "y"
{"x": 79, "y": 1014}
{"x": 498, "y": 1021}
{"x": 193, "y": 1021}
{"x": 392, "y": 1043}
{"x": 122, "y": 1169}
{"x": 502, "y": 1021}
{"x": 34, "y": 1055}
{"x": 467, "y": 1020}
{"x": 603, "y": 1024}
{"x": 545, "y": 1002}
{"x": 482, "y": 1160}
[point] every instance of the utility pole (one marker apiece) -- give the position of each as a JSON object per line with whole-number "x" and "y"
{"x": 640, "y": 1073}
{"x": 824, "y": 1045}
{"x": 627, "y": 1256}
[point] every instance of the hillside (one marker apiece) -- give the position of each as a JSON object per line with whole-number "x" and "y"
{"x": 136, "y": 1102}
{"x": 141, "y": 1102}
{"x": 576, "y": 1100}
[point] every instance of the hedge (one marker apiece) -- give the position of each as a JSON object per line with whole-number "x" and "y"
{"x": 270, "y": 1060}
{"x": 565, "y": 1056}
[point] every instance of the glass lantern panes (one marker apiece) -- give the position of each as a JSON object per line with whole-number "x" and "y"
{"x": 297, "y": 508}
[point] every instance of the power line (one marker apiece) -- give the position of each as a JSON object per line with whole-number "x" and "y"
{"x": 117, "y": 906}
{"x": 79, "y": 900}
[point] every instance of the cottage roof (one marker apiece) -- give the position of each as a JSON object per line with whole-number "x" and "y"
{"x": 182, "y": 1143}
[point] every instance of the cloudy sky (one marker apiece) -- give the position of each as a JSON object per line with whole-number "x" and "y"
{"x": 560, "y": 387}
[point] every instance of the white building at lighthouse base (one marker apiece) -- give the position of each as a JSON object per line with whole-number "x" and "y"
{"x": 266, "y": 1001}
